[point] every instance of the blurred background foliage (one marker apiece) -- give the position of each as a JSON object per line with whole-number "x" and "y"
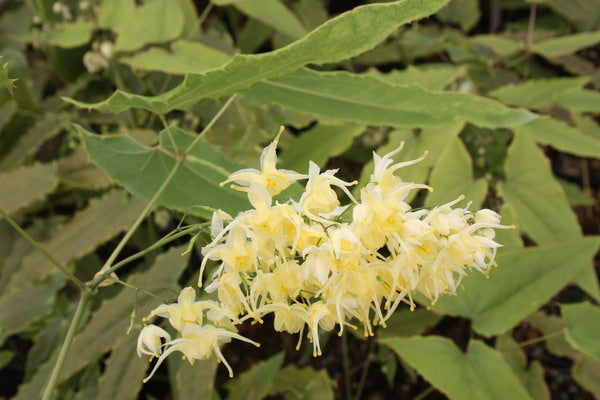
{"x": 502, "y": 93}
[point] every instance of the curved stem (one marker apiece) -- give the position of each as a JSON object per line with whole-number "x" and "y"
{"x": 39, "y": 247}
{"x": 83, "y": 300}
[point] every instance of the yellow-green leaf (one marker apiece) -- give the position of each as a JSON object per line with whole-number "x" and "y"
{"x": 23, "y": 186}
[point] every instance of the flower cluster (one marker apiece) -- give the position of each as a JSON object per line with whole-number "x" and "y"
{"x": 314, "y": 264}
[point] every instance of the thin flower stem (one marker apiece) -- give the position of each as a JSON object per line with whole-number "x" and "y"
{"x": 82, "y": 286}
{"x": 178, "y": 163}
{"x": 51, "y": 385}
{"x": 365, "y": 371}
{"x": 346, "y": 359}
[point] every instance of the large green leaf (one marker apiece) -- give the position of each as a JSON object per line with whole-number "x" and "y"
{"x": 142, "y": 170}
{"x": 23, "y": 186}
{"x": 196, "y": 381}
{"x": 464, "y": 13}
{"x": 69, "y": 35}
{"x": 555, "y": 133}
{"x": 563, "y": 45}
{"x": 534, "y": 194}
{"x": 452, "y": 176}
{"x": 183, "y": 57}
{"x": 274, "y": 14}
{"x": 525, "y": 280}
{"x": 89, "y": 228}
{"x": 123, "y": 372}
{"x": 585, "y": 13}
{"x": 108, "y": 325}
{"x": 583, "y": 321}
{"x": 342, "y": 37}
{"x": 363, "y": 99}
{"x": 480, "y": 373}
{"x": 318, "y": 145}
{"x": 303, "y": 384}
{"x": 257, "y": 382}
{"x": 408, "y": 323}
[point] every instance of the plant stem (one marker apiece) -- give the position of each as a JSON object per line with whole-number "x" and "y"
{"x": 530, "y": 28}
{"x": 346, "y": 359}
{"x": 83, "y": 300}
{"x": 365, "y": 371}
{"x": 39, "y": 247}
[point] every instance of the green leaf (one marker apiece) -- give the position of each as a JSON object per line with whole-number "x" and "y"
{"x": 525, "y": 280}
{"x": 586, "y": 373}
{"x": 583, "y": 321}
{"x": 340, "y": 38}
{"x": 509, "y": 238}
{"x": 362, "y": 99}
{"x": 77, "y": 171}
{"x": 318, "y": 145}
{"x": 123, "y": 372}
{"x": 101, "y": 220}
{"x": 540, "y": 93}
{"x": 69, "y": 35}
{"x": 34, "y": 302}
{"x": 430, "y": 76}
{"x": 23, "y": 186}
{"x": 575, "y": 195}
{"x": 502, "y": 46}
{"x": 108, "y": 325}
{"x": 553, "y": 328}
{"x": 255, "y": 383}
{"x": 274, "y": 14}
{"x": 408, "y": 323}
{"x": 452, "y": 176}
{"x": 532, "y": 377}
{"x": 534, "y": 194}
{"x": 142, "y": 171}
{"x": 196, "y": 381}
{"x": 183, "y": 57}
{"x": 555, "y": 133}
{"x": 433, "y": 139}
{"x": 303, "y": 384}
{"x": 563, "y": 45}
{"x": 464, "y": 13}
{"x": 155, "y": 21}
{"x": 6, "y": 357}
{"x": 585, "y": 13}
{"x": 480, "y": 373}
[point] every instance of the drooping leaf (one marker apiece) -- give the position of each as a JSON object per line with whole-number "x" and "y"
{"x": 123, "y": 372}
{"x": 555, "y": 133}
{"x": 101, "y": 220}
{"x": 23, "y": 186}
{"x": 196, "y": 381}
{"x": 183, "y": 57}
{"x": 342, "y": 37}
{"x": 563, "y": 45}
{"x": 303, "y": 384}
{"x": 275, "y": 14}
{"x": 430, "y": 76}
{"x": 255, "y": 383}
{"x": 525, "y": 280}
{"x": 142, "y": 171}
{"x": 535, "y": 196}
{"x": 108, "y": 325}
{"x": 583, "y": 321}
{"x": 532, "y": 376}
{"x": 362, "y": 99}
{"x": 318, "y": 145}
{"x": 480, "y": 373}
{"x": 408, "y": 323}
{"x": 452, "y": 176}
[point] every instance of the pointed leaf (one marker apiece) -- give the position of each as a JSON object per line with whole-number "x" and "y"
{"x": 340, "y": 38}
{"x": 452, "y": 176}
{"x": 563, "y": 45}
{"x": 583, "y": 321}
{"x": 524, "y": 281}
{"x": 142, "y": 171}
{"x": 363, "y": 99}
{"x": 23, "y": 186}
{"x": 480, "y": 373}
{"x": 430, "y": 76}
{"x": 196, "y": 381}
{"x": 255, "y": 383}
{"x": 275, "y": 14}
{"x": 534, "y": 194}
{"x": 303, "y": 384}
